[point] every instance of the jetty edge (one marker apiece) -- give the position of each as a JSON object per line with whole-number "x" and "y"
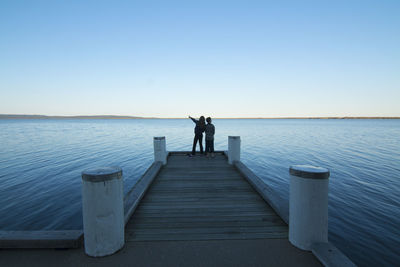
{"x": 326, "y": 253}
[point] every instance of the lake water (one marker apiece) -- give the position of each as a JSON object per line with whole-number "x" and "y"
{"x": 41, "y": 163}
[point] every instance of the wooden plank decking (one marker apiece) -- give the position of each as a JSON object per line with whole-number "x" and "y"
{"x": 199, "y": 198}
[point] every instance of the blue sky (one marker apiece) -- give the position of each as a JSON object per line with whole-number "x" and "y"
{"x": 218, "y": 58}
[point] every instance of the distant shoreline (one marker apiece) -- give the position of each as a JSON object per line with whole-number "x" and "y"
{"x": 44, "y": 117}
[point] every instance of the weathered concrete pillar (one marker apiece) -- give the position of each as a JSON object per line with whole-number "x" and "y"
{"x": 308, "y": 205}
{"x": 233, "y": 149}
{"x": 103, "y": 211}
{"x": 160, "y": 149}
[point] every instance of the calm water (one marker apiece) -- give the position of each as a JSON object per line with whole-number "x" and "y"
{"x": 41, "y": 162}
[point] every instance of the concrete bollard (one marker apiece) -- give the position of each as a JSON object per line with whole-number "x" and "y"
{"x": 233, "y": 149}
{"x": 103, "y": 211}
{"x": 160, "y": 150}
{"x": 308, "y": 205}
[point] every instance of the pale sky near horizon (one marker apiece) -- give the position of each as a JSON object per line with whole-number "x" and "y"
{"x": 217, "y": 58}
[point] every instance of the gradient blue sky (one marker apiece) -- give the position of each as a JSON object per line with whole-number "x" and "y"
{"x": 218, "y": 58}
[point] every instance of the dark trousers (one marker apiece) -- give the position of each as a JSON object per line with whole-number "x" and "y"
{"x": 197, "y": 137}
{"x": 209, "y": 146}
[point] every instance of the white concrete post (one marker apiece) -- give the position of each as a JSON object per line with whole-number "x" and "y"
{"x": 308, "y": 205}
{"x": 160, "y": 150}
{"x": 103, "y": 211}
{"x": 233, "y": 149}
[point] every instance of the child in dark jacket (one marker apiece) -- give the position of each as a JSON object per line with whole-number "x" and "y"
{"x": 210, "y": 131}
{"x": 198, "y": 133}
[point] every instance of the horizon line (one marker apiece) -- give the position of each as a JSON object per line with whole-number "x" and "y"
{"x": 36, "y": 116}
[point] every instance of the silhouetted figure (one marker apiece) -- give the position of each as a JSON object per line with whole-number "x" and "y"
{"x": 198, "y": 133}
{"x": 210, "y": 131}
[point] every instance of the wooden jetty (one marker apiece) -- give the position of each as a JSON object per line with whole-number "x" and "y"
{"x": 195, "y": 211}
{"x": 199, "y": 198}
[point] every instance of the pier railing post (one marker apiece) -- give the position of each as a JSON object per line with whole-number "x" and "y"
{"x": 103, "y": 211}
{"x": 308, "y": 205}
{"x": 160, "y": 149}
{"x": 233, "y": 149}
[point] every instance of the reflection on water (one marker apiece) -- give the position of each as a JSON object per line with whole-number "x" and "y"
{"x": 41, "y": 162}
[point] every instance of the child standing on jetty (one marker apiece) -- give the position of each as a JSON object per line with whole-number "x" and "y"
{"x": 210, "y": 131}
